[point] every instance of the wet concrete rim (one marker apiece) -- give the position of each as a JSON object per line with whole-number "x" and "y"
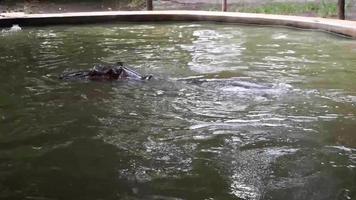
{"x": 342, "y": 27}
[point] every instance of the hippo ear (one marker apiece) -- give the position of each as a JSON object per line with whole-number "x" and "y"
{"x": 119, "y": 63}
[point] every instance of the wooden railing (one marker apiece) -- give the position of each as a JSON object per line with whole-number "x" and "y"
{"x": 341, "y": 7}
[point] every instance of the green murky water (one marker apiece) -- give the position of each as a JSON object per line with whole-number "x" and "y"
{"x": 234, "y": 112}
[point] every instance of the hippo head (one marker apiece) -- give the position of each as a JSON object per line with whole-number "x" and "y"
{"x": 108, "y": 72}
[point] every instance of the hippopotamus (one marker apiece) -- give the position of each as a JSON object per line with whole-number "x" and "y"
{"x": 109, "y": 72}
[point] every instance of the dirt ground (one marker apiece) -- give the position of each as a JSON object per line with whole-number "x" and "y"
{"x": 216, "y": 5}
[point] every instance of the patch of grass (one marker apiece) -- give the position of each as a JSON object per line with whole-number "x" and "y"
{"x": 137, "y": 3}
{"x": 321, "y": 9}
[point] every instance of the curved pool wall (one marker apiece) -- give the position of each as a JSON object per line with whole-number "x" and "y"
{"x": 343, "y": 27}
{"x": 234, "y": 112}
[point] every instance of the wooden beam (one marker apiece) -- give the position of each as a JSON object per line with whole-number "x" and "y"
{"x": 149, "y": 4}
{"x": 341, "y": 6}
{"x": 224, "y": 5}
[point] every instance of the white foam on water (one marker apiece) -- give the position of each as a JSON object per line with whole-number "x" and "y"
{"x": 14, "y": 28}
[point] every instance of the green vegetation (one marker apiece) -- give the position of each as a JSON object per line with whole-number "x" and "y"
{"x": 321, "y": 9}
{"x": 137, "y": 3}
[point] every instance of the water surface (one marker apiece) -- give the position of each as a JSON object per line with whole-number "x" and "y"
{"x": 234, "y": 112}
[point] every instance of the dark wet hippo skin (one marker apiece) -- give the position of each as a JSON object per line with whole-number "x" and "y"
{"x": 110, "y": 72}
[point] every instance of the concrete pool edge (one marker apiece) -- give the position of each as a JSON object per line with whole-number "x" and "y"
{"x": 343, "y": 27}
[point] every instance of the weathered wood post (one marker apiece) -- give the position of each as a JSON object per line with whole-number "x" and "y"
{"x": 149, "y": 4}
{"x": 224, "y": 5}
{"x": 341, "y": 6}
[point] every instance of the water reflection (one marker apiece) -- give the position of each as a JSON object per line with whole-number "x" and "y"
{"x": 214, "y": 51}
{"x": 233, "y": 113}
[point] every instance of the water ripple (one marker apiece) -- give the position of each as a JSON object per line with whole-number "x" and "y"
{"x": 231, "y": 113}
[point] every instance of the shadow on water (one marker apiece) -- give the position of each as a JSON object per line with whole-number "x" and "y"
{"x": 231, "y": 114}
{"x": 69, "y": 172}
